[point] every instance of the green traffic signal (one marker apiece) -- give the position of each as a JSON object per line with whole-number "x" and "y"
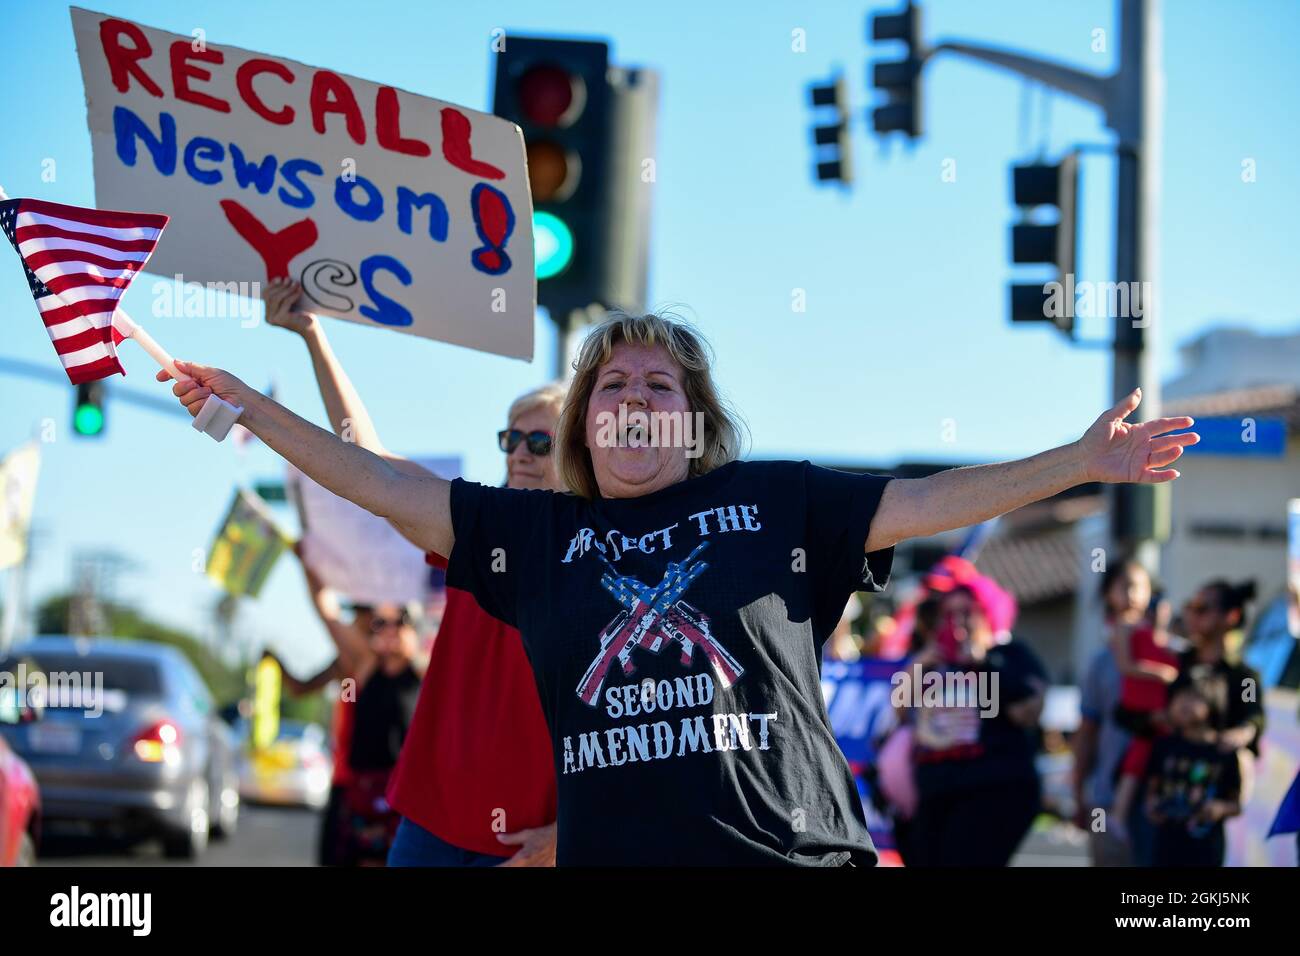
{"x": 88, "y": 420}
{"x": 88, "y": 410}
{"x": 552, "y": 244}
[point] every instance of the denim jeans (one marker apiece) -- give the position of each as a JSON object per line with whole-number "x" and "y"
{"x": 415, "y": 846}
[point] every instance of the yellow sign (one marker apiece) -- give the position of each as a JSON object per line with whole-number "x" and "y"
{"x": 266, "y": 703}
{"x": 247, "y": 546}
{"x": 18, "y": 471}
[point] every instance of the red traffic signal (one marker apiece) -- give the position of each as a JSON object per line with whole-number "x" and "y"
{"x": 557, "y": 91}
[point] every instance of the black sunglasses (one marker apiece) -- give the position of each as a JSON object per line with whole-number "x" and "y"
{"x": 378, "y": 623}
{"x": 539, "y": 443}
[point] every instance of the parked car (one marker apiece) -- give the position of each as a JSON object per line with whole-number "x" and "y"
{"x": 20, "y": 806}
{"x": 294, "y": 770}
{"x": 128, "y": 741}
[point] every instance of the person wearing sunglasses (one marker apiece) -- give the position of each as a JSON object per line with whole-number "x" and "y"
{"x": 538, "y": 442}
{"x": 347, "y": 635}
{"x": 387, "y": 668}
{"x": 475, "y": 781}
{"x": 379, "y": 659}
{"x": 674, "y": 604}
{"x": 329, "y": 839}
{"x": 1214, "y": 619}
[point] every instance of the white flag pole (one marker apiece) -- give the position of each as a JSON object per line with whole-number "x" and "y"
{"x": 217, "y": 416}
{"x": 132, "y": 330}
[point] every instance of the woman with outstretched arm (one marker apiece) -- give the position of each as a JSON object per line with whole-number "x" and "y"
{"x": 475, "y": 782}
{"x": 674, "y": 605}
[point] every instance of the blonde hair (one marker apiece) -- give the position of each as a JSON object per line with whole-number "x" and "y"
{"x": 724, "y": 432}
{"x": 551, "y": 395}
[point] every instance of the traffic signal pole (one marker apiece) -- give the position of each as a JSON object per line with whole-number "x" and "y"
{"x": 1132, "y": 101}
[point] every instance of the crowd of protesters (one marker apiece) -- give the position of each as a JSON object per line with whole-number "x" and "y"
{"x": 1170, "y": 725}
{"x": 449, "y": 769}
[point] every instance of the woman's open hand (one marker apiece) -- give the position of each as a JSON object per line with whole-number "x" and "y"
{"x": 281, "y": 297}
{"x": 204, "y": 381}
{"x": 536, "y": 846}
{"x": 1114, "y": 450}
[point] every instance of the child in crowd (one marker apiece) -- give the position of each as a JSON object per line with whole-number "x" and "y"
{"x": 1192, "y": 785}
{"x": 1147, "y": 666}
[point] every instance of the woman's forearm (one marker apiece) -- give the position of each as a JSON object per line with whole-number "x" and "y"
{"x": 310, "y": 685}
{"x": 960, "y": 497}
{"x": 354, "y": 652}
{"x": 348, "y": 414}
{"x": 346, "y": 411}
{"x": 348, "y": 471}
{"x": 420, "y": 504}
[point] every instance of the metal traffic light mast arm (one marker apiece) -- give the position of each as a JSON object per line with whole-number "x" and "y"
{"x": 1132, "y": 100}
{"x": 1129, "y": 97}
{"x": 1092, "y": 87}
{"x": 127, "y": 396}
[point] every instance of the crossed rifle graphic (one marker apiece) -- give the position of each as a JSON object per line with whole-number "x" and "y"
{"x": 653, "y": 616}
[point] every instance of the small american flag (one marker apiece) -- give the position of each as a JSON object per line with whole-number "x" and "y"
{"x": 78, "y": 263}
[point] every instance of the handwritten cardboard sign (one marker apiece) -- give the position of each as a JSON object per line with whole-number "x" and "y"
{"x": 357, "y": 553}
{"x": 394, "y": 210}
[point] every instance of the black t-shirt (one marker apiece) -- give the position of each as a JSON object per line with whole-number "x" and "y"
{"x": 676, "y": 641}
{"x": 1233, "y": 691}
{"x": 383, "y": 713}
{"x": 1182, "y": 775}
{"x": 971, "y": 742}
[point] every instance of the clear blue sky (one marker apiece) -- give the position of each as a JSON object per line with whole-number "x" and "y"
{"x": 905, "y": 276}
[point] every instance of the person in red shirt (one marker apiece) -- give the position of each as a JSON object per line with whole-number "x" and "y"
{"x": 1147, "y": 666}
{"x": 328, "y": 839}
{"x": 475, "y": 781}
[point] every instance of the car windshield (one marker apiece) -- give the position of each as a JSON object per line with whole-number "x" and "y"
{"x": 90, "y": 673}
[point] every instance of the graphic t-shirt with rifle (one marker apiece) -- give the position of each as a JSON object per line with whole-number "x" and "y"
{"x": 676, "y": 643}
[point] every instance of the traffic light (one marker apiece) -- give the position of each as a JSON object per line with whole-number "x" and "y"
{"x": 634, "y": 110}
{"x": 557, "y": 92}
{"x": 88, "y": 412}
{"x": 1037, "y": 189}
{"x": 900, "y": 80}
{"x": 831, "y": 141}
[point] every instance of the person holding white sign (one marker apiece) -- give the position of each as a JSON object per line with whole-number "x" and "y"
{"x": 475, "y": 783}
{"x": 674, "y": 606}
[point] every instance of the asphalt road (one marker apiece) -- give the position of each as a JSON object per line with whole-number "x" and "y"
{"x": 1058, "y": 844}
{"x": 270, "y": 836}
{"x": 267, "y": 836}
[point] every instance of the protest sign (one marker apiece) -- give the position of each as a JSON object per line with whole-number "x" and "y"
{"x": 266, "y": 703}
{"x": 392, "y": 209}
{"x": 356, "y": 553}
{"x": 18, "y": 471}
{"x": 247, "y": 545}
{"x": 857, "y": 696}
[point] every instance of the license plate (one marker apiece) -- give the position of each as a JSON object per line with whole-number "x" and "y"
{"x": 53, "y": 739}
